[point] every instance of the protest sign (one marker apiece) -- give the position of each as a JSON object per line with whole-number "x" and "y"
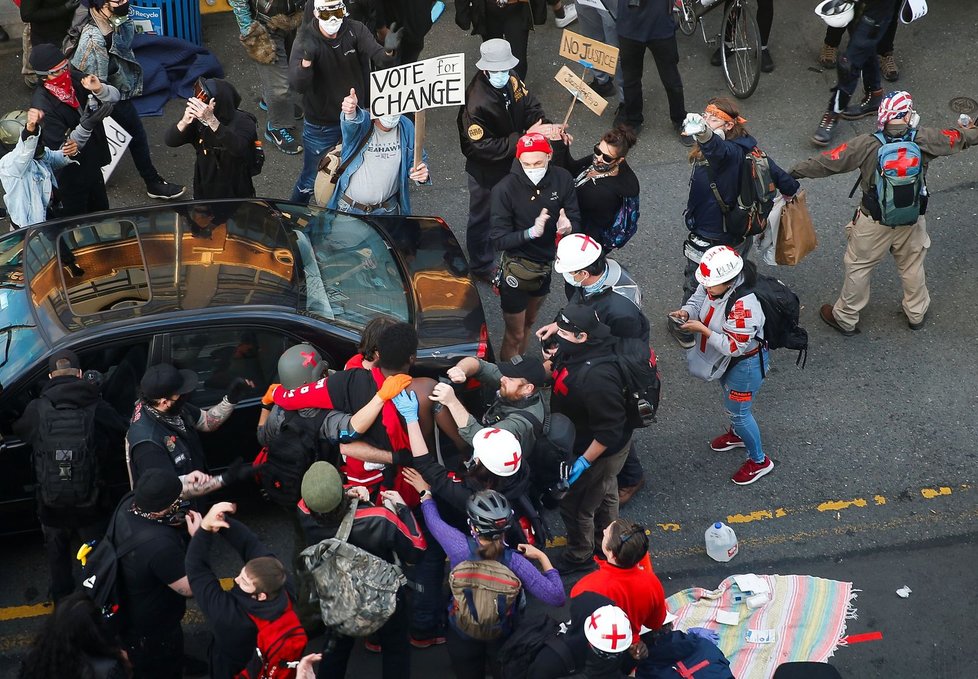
{"x": 579, "y": 89}
{"x": 118, "y": 140}
{"x": 409, "y": 88}
{"x": 588, "y": 52}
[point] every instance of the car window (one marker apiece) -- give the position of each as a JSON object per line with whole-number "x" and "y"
{"x": 120, "y": 368}
{"x": 351, "y": 275}
{"x": 218, "y": 356}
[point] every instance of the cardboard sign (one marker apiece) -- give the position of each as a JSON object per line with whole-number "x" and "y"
{"x": 579, "y": 89}
{"x": 118, "y": 140}
{"x": 589, "y": 52}
{"x": 414, "y": 87}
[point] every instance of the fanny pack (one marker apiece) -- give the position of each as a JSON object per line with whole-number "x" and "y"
{"x": 522, "y": 273}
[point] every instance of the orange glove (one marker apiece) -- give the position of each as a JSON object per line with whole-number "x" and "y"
{"x": 393, "y": 386}
{"x": 268, "y": 399}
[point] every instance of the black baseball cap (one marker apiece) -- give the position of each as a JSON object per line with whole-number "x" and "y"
{"x": 578, "y": 318}
{"x": 157, "y": 489}
{"x": 528, "y": 367}
{"x": 164, "y": 380}
{"x": 64, "y": 355}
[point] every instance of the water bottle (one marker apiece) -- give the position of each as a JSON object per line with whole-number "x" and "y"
{"x": 92, "y": 103}
{"x": 721, "y": 542}
{"x": 964, "y": 120}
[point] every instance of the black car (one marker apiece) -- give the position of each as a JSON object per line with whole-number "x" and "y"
{"x": 221, "y": 288}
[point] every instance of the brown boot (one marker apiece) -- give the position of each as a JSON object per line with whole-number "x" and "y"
{"x": 626, "y": 493}
{"x": 828, "y": 56}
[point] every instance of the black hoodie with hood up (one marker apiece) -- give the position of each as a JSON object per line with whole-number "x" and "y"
{"x": 223, "y": 167}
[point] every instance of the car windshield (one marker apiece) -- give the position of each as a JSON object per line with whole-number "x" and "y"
{"x": 351, "y": 275}
{"x": 17, "y": 328}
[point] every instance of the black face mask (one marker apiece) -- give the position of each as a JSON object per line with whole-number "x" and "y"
{"x": 566, "y": 348}
{"x": 176, "y": 408}
{"x": 120, "y": 10}
{"x": 602, "y": 167}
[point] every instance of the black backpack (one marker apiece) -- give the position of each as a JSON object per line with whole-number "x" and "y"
{"x": 781, "y": 312}
{"x": 756, "y": 192}
{"x": 521, "y": 648}
{"x": 100, "y": 569}
{"x": 65, "y": 459}
{"x": 550, "y": 456}
{"x": 288, "y": 456}
{"x": 642, "y": 389}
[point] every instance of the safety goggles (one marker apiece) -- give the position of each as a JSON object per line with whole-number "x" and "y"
{"x": 57, "y": 70}
{"x": 598, "y": 153}
{"x": 335, "y": 13}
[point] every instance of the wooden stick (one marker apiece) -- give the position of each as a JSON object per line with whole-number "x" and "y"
{"x": 419, "y": 130}
{"x": 570, "y": 109}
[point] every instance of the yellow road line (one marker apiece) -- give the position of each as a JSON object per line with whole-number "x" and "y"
{"x": 32, "y": 611}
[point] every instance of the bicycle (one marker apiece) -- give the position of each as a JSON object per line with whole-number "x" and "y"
{"x": 739, "y": 39}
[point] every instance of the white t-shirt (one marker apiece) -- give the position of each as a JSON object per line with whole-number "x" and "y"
{"x": 376, "y": 179}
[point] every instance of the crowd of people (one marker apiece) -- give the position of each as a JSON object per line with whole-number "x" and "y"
{"x": 443, "y": 497}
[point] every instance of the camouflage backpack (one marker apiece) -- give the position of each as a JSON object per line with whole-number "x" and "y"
{"x": 357, "y": 591}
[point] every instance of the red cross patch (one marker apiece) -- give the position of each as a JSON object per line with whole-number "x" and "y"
{"x": 560, "y": 387}
{"x": 594, "y": 620}
{"x": 514, "y": 462}
{"x": 614, "y": 637}
{"x": 902, "y": 163}
{"x": 837, "y": 152}
{"x": 308, "y": 358}
{"x": 953, "y": 136}
{"x": 739, "y": 314}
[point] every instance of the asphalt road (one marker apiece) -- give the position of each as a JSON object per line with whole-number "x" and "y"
{"x": 874, "y": 440}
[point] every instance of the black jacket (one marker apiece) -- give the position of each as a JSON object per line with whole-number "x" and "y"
{"x": 614, "y": 310}
{"x": 110, "y": 428}
{"x": 472, "y": 13}
{"x": 337, "y": 65}
{"x": 227, "y": 613}
{"x": 516, "y": 203}
{"x": 599, "y": 199}
{"x": 49, "y": 19}
{"x": 589, "y": 391}
{"x": 572, "y": 644}
{"x": 377, "y": 530}
{"x": 223, "y": 165}
{"x": 491, "y": 122}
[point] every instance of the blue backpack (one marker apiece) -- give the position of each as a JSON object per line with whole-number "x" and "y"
{"x": 899, "y": 180}
{"x": 624, "y": 226}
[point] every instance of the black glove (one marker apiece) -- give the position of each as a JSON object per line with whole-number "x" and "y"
{"x": 239, "y": 386}
{"x": 305, "y": 44}
{"x": 89, "y": 118}
{"x": 403, "y": 458}
{"x": 238, "y": 472}
{"x": 394, "y": 37}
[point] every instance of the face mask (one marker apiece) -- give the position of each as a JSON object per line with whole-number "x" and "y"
{"x": 720, "y": 132}
{"x": 567, "y": 348}
{"x": 569, "y": 277}
{"x": 602, "y": 167}
{"x": 62, "y": 88}
{"x": 390, "y": 122}
{"x": 535, "y": 174}
{"x": 120, "y": 10}
{"x": 498, "y": 79}
{"x": 330, "y": 26}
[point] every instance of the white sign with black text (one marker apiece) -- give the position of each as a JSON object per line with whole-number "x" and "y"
{"x": 118, "y": 140}
{"x": 421, "y": 85}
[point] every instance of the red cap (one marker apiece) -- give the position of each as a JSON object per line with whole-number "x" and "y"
{"x": 534, "y": 141}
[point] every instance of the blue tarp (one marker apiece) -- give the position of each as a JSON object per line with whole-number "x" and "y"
{"x": 170, "y": 67}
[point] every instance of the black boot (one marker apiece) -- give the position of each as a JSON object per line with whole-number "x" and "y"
{"x": 868, "y": 106}
{"x": 826, "y": 129}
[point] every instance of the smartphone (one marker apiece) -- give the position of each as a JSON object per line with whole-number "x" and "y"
{"x": 200, "y": 92}
{"x": 676, "y": 320}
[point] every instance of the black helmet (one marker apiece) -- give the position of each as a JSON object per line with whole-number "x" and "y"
{"x": 300, "y": 365}
{"x": 489, "y": 513}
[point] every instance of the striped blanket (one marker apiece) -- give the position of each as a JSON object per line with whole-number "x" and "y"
{"x": 807, "y": 615}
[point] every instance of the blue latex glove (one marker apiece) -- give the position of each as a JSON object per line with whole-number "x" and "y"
{"x": 580, "y": 464}
{"x": 704, "y": 633}
{"x": 407, "y": 405}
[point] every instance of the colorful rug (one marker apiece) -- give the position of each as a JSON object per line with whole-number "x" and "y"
{"x": 806, "y": 618}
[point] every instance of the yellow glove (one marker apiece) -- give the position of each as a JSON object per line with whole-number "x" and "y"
{"x": 393, "y": 386}
{"x": 269, "y": 398}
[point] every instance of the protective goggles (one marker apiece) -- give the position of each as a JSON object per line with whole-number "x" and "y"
{"x": 331, "y": 13}
{"x": 57, "y": 69}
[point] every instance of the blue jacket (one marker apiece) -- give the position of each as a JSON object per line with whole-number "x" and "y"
{"x": 27, "y": 182}
{"x": 92, "y": 57}
{"x": 353, "y": 133}
{"x": 703, "y": 215}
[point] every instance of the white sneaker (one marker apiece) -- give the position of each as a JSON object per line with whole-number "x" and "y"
{"x": 570, "y": 16}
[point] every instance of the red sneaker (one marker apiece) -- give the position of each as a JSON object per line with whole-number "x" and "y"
{"x": 751, "y": 471}
{"x": 372, "y": 646}
{"x": 727, "y": 441}
{"x": 427, "y": 641}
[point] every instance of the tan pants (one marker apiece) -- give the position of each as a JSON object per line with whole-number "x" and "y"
{"x": 592, "y": 504}
{"x": 868, "y": 243}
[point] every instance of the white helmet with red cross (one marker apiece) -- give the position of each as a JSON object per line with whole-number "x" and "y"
{"x": 575, "y": 252}
{"x": 719, "y": 265}
{"x": 498, "y": 451}
{"x": 608, "y": 630}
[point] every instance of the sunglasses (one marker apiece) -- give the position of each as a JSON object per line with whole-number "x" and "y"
{"x": 598, "y": 153}
{"x": 338, "y": 13}
{"x": 200, "y": 92}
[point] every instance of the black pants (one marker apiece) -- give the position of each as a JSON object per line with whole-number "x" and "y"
{"x": 632, "y": 472}
{"x": 393, "y": 638}
{"x": 126, "y": 115}
{"x": 665, "y": 52}
{"x": 157, "y": 656}
{"x": 81, "y": 190}
{"x": 765, "y": 19}
{"x": 482, "y": 256}
{"x": 510, "y": 22}
{"x": 833, "y": 36}
{"x": 60, "y": 545}
{"x": 471, "y": 657}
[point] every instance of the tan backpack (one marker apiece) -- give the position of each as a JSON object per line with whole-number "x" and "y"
{"x": 486, "y": 597}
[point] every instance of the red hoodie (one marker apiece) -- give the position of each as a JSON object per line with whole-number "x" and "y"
{"x": 635, "y": 590}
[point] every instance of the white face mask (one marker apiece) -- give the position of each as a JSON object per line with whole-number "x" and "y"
{"x": 330, "y": 26}
{"x": 535, "y": 174}
{"x": 569, "y": 277}
{"x": 720, "y": 132}
{"x": 390, "y": 122}
{"x": 498, "y": 79}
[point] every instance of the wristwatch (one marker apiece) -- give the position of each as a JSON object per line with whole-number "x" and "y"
{"x": 424, "y": 495}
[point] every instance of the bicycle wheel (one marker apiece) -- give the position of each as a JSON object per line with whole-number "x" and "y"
{"x": 741, "y": 55}
{"x": 685, "y": 19}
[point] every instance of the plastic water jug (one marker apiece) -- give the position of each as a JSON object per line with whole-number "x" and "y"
{"x": 721, "y": 542}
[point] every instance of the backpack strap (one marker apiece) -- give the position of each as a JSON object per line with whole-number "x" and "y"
{"x": 724, "y": 208}
{"x": 346, "y": 163}
{"x": 132, "y": 541}
{"x": 346, "y": 526}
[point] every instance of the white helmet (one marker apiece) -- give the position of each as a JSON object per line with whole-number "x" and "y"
{"x": 836, "y": 13}
{"x": 719, "y": 265}
{"x": 498, "y": 451}
{"x": 575, "y": 252}
{"x": 608, "y": 630}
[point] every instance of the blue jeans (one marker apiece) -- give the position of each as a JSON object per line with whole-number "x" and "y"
{"x": 740, "y": 385}
{"x": 316, "y": 140}
{"x": 860, "y": 57}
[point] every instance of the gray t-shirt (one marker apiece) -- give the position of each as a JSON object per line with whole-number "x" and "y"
{"x": 376, "y": 179}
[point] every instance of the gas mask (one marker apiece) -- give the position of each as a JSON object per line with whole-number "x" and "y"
{"x": 498, "y": 79}
{"x": 535, "y": 174}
